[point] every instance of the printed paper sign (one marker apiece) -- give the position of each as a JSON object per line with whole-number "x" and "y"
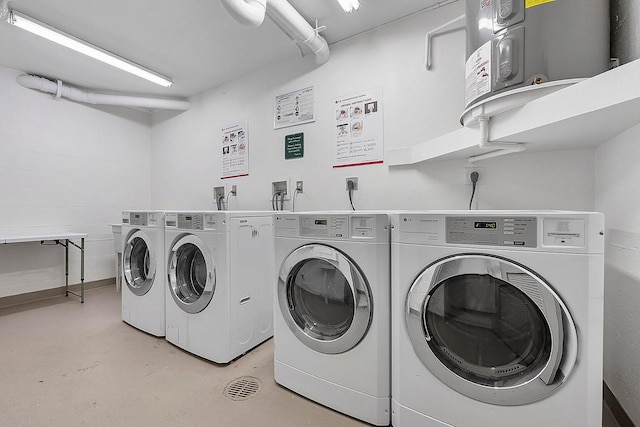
{"x": 294, "y": 108}
{"x": 234, "y": 150}
{"x": 359, "y": 129}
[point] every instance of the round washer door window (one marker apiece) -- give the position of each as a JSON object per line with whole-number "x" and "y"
{"x": 324, "y": 298}
{"x": 491, "y": 329}
{"x": 191, "y": 274}
{"x": 139, "y": 263}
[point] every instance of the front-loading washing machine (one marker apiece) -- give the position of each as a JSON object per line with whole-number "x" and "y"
{"x": 332, "y": 310}
{"x": 497, "y": 319}
{"x": 143, "y": 271}
{"x": 219, "y": 271}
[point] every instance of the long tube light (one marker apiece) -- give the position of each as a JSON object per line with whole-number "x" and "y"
{"x": 349, "y": 5}
{"x": 53, "y": 34}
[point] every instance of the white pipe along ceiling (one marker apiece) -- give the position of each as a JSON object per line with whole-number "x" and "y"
{"x": 62, "y": 90}
{"x": 251, "y": 12}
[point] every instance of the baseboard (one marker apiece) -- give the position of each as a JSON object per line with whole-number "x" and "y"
{"x": 616, "y": 409}
{"x": 12, "y": 300}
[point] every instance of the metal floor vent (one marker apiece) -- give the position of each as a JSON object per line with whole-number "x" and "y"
{"x": 242, "y": 388}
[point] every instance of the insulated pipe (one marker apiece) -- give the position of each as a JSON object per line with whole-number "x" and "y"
{"x": 287, "y": 15}
{"x": 501, "y": 148}
{"x": 300, "y": 28}
{"x": 247, "y": 12}
{"x": 59, "y": 89}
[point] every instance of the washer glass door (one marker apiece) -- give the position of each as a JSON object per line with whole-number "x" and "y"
{"x": 324, "y": 298}
{"x": 191, "y": 274}
{"x": 139, "y": 263}
{"x": 490, "y": 329}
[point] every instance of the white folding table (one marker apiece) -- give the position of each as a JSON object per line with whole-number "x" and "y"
{"x": 62, "y": 239}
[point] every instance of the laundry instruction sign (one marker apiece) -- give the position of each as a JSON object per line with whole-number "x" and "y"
{"x": 358, "y": 129}
{"x": 294, "y": 146}
{"x": 294, "y": 108}
{"x": 234, "y": 150}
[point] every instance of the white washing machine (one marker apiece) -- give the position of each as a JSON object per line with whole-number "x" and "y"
{"x": 143, "y": 271}
{"x": 497, "y": 319}
{"x": 220, "y": 268}
{"x": 332, "y": 310}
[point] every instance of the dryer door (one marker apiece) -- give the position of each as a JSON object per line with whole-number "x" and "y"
{"x": 491, "y": 329}
{"x": 139, "y": 263}
{"x": 192, "y": 275}
{"x": 324, "y": 298}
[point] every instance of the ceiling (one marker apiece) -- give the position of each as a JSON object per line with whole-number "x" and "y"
{"x": 194, "y": 42}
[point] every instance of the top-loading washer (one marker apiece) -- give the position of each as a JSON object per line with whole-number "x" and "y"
{"x": 143, "y": 271}
{"x": 332, "y": 314}
{"x": 219, "y": 271}
{"x": 497, "y": 319}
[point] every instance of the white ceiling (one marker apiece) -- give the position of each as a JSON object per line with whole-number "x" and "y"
{"x": 194, "y": 42}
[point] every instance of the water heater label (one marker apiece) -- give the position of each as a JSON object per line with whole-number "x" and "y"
{"x": 532, "y": 3}
{"x": 478, "y": 73}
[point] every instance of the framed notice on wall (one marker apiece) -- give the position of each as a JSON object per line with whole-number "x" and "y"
{"x": 234, "y": 150}
{"x": 294, "y": 108}
{"x": 358, "y": 130}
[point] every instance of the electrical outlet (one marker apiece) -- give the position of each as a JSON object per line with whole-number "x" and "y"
{"x": 467, "y": 174}
{"x": 299, "y": 186}
{"x": 234, "y": 190}
{"x": 355, "y": 182}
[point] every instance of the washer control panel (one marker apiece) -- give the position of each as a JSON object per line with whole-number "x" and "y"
{"x": 492, "y": 230}
{"x": 337, "y": 226}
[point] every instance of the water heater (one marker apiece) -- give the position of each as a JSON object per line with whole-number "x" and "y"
{"x": 515, "y": 43}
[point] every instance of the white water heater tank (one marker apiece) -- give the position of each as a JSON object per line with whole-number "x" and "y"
{"x": 514, "y": 43}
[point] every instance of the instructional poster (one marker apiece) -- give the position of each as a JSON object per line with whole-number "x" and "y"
{"x": 294, "y": 108}
{"x": 359, "y": 129}
{"x": 235, "y": 150}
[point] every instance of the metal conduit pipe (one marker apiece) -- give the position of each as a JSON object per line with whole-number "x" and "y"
{"x": 288, "y": 16}
{"x": 59, "y": 89}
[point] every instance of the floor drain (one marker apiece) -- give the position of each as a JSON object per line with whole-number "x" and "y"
{"x": 242, "y": 388}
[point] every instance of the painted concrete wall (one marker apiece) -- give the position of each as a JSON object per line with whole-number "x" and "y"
{"x": 625, "y": 30}
{"x": 69, "y": 167}
{"x": 418, "y": 105}
{"x": 618, "y": 196}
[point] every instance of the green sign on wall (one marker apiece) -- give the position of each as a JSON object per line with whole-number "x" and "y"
{"x": 294, "y": 146}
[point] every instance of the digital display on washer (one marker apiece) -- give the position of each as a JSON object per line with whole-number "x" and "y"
{"x": 485, "y": 224}
{"x": 320, "y": 222}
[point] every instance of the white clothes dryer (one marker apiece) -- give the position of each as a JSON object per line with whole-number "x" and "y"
{"x": 219, "y": 270}
{"x": 332, "y": 313}
{"x": 497, "y": 319}
{"x": 143, "y": 271}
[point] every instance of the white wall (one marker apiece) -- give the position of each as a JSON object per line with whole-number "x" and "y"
{"x": 618, "y": 196}
{"x": 69, "y": 167}
{"x": 418, "y": 105}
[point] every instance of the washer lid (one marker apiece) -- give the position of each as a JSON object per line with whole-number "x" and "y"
{"x": 139, "y": 263}
{"x": 324, "y": 299}
{"x": 491, "y": 329}
{"x": 191, "y": 272}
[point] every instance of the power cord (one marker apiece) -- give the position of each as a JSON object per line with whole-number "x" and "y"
{"x": 474, "y": 176}
{"x": 293, "y": 200}
{"x": 350, "y": 187}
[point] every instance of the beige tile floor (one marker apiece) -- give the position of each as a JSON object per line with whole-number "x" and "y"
{"x": 63, "y": 363}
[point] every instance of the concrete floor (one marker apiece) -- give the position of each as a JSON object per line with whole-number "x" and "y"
{"x": 69, "y": 364}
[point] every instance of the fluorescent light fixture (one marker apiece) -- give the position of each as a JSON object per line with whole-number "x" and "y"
{"x": 349, "y": 5}
{"x": 53, "y": 34}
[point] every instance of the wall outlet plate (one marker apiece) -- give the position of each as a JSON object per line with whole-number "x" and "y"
{"x": 355, "y": 183}
{"x": 218, "y": 191}
{"x": 299, "y": 186}
{"x": 467, "y": 174}
{"x": 280, "y": 187}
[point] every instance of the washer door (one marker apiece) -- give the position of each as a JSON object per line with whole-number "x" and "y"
{"x": 139, "y": 263}
{"x": 491, "y": 329}
{"x": 191, "y": 273}
{"x": 324, "y": 298}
